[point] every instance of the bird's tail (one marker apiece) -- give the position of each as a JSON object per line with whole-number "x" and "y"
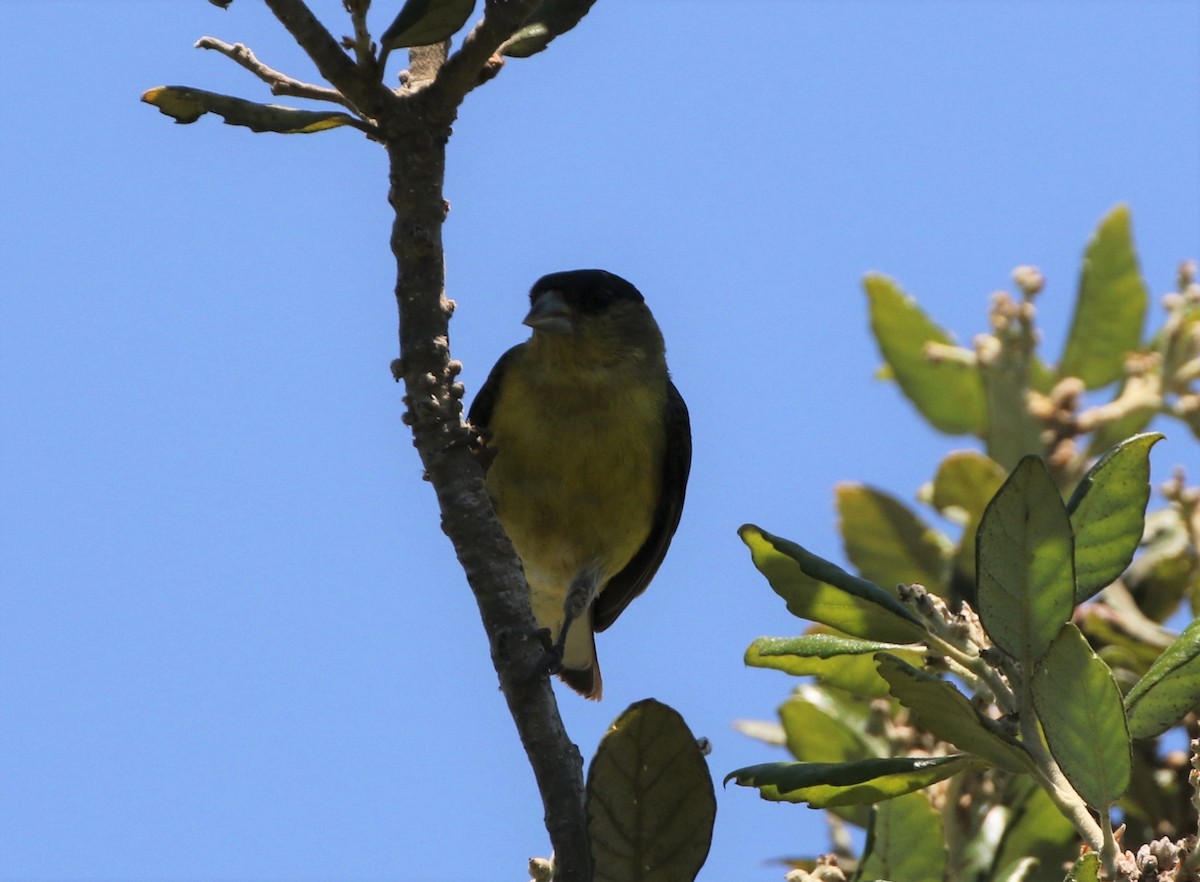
{"x": 581, "y": 668}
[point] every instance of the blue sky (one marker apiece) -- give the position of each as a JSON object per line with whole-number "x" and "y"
{"x": 234, "y": 644}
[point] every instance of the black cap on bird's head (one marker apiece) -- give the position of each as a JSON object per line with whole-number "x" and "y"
{"x": 556, "y": 299}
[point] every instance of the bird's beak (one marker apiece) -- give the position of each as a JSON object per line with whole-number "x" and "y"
{"x": 551, "y": 313}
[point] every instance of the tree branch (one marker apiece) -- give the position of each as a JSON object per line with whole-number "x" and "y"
{"x": 476, "y": 60}
{"x": 280, "y": 83}
{"x": 368, "y": 95}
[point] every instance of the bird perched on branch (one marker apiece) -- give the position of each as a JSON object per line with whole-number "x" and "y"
{"x": 587, "y": 447}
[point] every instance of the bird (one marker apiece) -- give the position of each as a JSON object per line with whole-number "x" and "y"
{"x": 587, "y": 447}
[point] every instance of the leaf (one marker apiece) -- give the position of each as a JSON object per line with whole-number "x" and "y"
{"x": 186, "y": 105}
{"x": 964, "y": 484}
{"x": 947, "y": 713}
{"x": 948, "y": 393}
{"x": 1024, "y": 563}
{"x": 814, "y": 736}
{"x": 1163, "y": 572}
{"x": 425, "y": 22}
{"x": 886, "y": 541}
{"x": 825, "y": 785}
{"x": 1085, "y": 869}
{"x": 1169, "y": 690}
{"x": 1108, "y": 511}
{"x": 1110, "y": 307}
{"x": 650, "y": 798}
{"x": 905, "y": 840}
{"x": 844, "y": 662}
{"x": 551, "y": 19}
{"x": 1036, "y": 829}
{"x": 1079, "y": 706}
{"x": 817, "y": 590}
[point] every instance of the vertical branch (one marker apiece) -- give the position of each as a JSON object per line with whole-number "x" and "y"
{"x": 417, "y": 163}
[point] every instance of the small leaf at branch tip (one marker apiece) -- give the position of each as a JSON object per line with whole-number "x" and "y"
{"x": 224, "y": 4}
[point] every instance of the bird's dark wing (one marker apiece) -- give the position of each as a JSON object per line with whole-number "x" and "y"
{"x": 480, "y": 414}
{"x": 632, "y": 580}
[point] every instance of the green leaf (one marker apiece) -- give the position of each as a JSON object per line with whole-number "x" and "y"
{"x": 844, "y": 662}
{"x": 905, "y": 840}
{"x": 650, "y": 798}
{"x": 947, "y": 713}
{"x": 551, "y": 19}
{"x": 186, "y": 105}
{"x": 824, "y": 785}
{"x": 1169, "y": 690}
{"x": 425, "y": 22}
{"x": 1108, "y": 511}
{"x": 1036, "y": 829}
{"x": 964, "y": 484}
{"x": 1162, "y": 574}
{"x": 1110, "y": 308}
{"x": 887, "y": 542}
{"x": 1079, "y": 706}
{"x": 1085, "y": 869}
{"x": 947, "y": 392}
{"x": 819, "y": 591}
{"x": 1024, "y": 563}
{"x": 814, "y": 736}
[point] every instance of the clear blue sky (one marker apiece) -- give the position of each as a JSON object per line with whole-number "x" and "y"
{"x": 234, "y": 644}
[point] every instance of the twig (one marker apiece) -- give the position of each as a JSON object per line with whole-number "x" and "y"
{"x": 364, "y": 49}
{"x": 476, "y": 60}
{"x": 280, "y": 83}
{"x": 368, "y": 96}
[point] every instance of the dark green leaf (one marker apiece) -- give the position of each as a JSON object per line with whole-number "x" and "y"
{"x": 947, "y": 713}
{"x": 1108, "y": 511}
{"x": 1169, "y": 690}
{"x": 819, "y": 591}
{"x": 824, "y": 785}
{"x": 887, "y": 542}
{"x": 905, "y": 841}
{"x": 1110, "y": 308}
{"x": 844, "y": 662}
{"x": 1079, "y": 706}
{"x": 424, "y": 22}
{"x": 551, "y": 19}
{"x": 650, "y": 798}
{"x": 947, "y": 392}
{"x": 1024, "y": 563}
{"x": 186, "y": 105}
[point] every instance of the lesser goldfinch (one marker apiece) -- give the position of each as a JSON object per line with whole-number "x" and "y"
{"x": 587, "y": 446}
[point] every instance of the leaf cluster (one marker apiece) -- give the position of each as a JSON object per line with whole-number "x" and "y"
{"x": 989, "y": 711}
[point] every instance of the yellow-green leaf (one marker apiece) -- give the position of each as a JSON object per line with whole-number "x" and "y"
{"x": 947, "y": 392}
{"x": 825, "y": 785}
{"x": 844, "y": 662}
{"x": 814, "y": 736}
{"x": 1079, "y": 706}
{"x": 1085, "y": 869}
{"x": 1024, "y": 562}
{"x": 819, "y": 591}
{"x": 1108, "y": 511}
{"x": 887, "y": 542}
{"x": 1111, "y": 305}
{"x": 186, "y": 105}
{"x": 650, "y": 798}
{"x": 964, "y": 484}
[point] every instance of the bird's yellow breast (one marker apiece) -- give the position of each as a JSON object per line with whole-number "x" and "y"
{"x": 577, "y": 471}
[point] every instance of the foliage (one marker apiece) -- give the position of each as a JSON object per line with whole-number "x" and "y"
{"x": 991, "y": 711}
